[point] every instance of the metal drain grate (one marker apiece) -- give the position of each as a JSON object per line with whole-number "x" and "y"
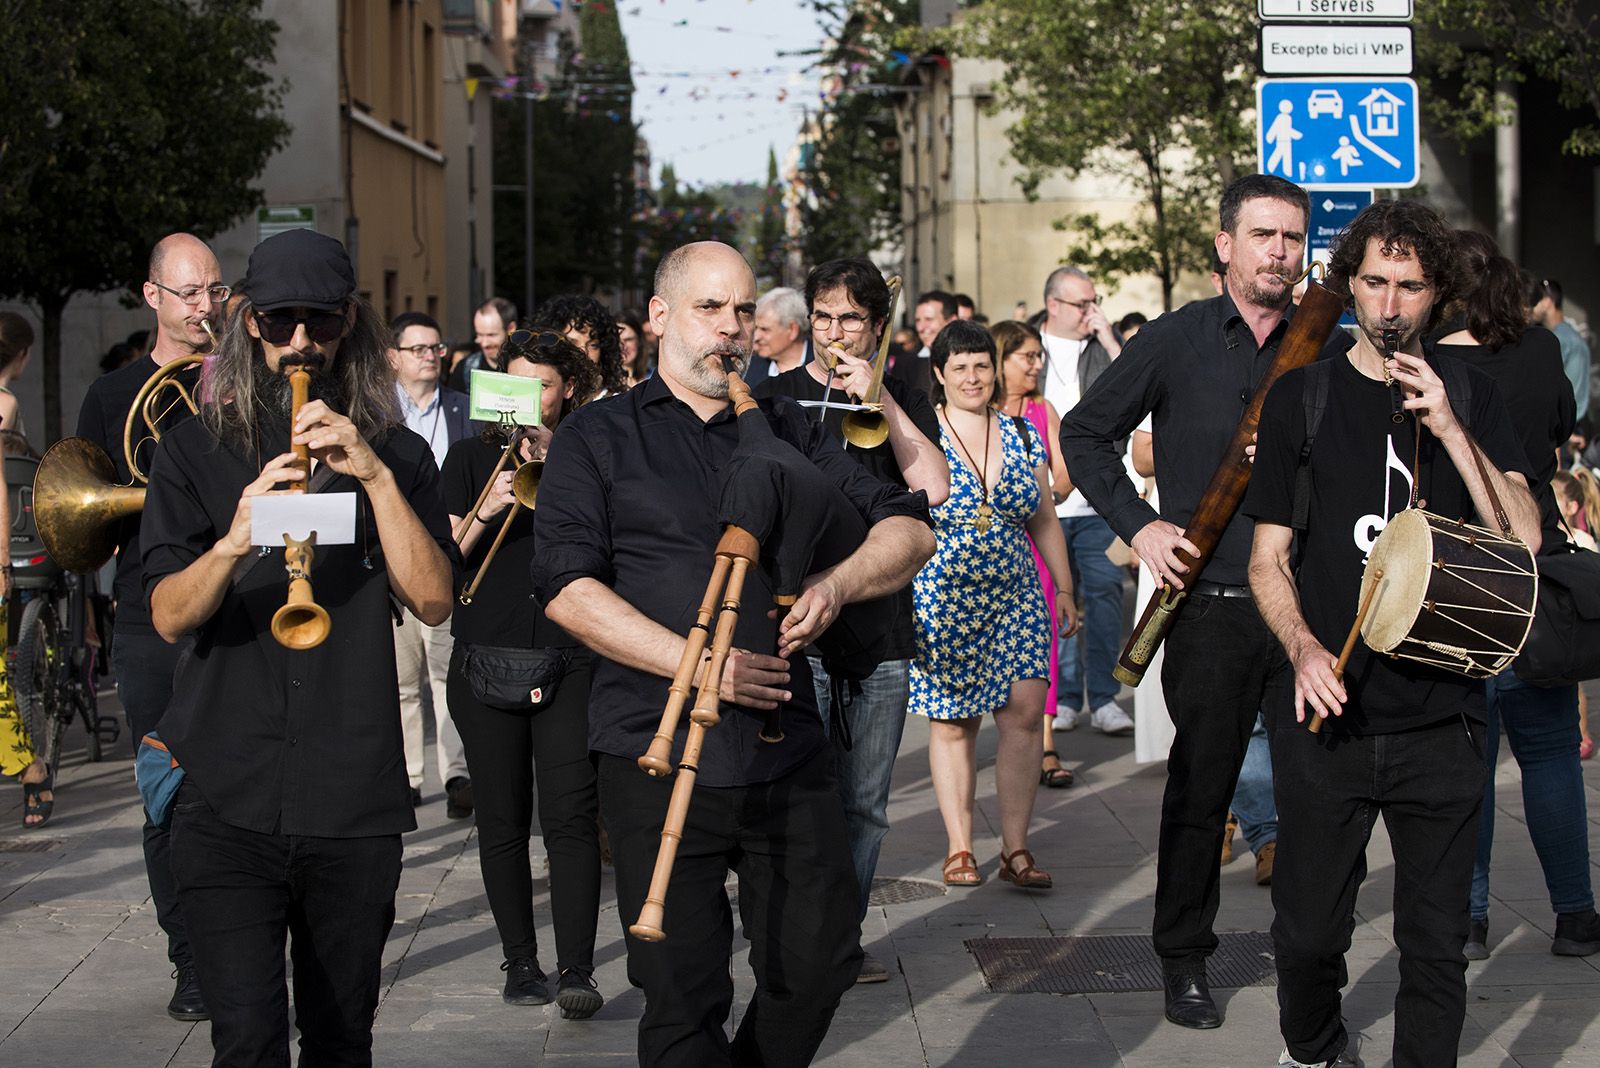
{"x": 901, "y": 891}
{"x": 28, "y": 845}
{"x": 1109, "y": 964}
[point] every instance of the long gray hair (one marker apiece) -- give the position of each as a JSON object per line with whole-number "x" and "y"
{"x": 360, "y": 385}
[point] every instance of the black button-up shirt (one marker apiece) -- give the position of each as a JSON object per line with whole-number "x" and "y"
{"x": 102, "y": 419}
{"x": 1195, "y": 369}
{"x": 280, "y": 741}
{"x": 629, "y": 498}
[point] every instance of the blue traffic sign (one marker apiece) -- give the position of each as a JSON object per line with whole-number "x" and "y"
{"x": 1331, "y": 211}
{"x": 1339, "y": 133}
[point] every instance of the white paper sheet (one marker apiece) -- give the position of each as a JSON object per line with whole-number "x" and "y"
{"x": 331, "y": 515}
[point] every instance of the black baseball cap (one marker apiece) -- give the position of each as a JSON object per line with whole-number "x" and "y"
{"x": 299, "y": 269}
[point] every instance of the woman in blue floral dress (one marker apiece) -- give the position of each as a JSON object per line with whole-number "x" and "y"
{"x": 983, "y": 628}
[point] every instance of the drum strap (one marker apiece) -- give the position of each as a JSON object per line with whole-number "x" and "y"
{"x": 1458, "y": 388}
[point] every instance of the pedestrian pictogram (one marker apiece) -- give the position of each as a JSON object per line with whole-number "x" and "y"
{"x": 1339, "y": 132}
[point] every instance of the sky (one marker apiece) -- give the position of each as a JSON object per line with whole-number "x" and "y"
{"x": 712, "y": 124}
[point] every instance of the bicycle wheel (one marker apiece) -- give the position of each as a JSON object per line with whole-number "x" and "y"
{"x": 33, "y": 680}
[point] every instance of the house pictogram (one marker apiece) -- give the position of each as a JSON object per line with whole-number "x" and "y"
{"x": 1383, "y": 112}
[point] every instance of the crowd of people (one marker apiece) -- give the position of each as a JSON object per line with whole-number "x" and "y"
{"x": 534, "y": 587}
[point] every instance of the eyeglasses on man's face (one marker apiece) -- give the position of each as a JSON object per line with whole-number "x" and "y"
{"x": 849, "y": 322}
{"x": 422, "y": 352}
{"x": 1083, "y": 306}
{"x": 192, "y": 295}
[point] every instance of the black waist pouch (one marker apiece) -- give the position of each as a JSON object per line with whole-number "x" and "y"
{"x": 514, "y": 680}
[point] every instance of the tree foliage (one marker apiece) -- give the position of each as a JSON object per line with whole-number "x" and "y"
{"x": 770, "y": 242}
{"x": 114, "y": 133}
{"x": 1469, "y": 47}
{"x": 583, "y": 160}
{"x": 677, "y": 215}
{"x": 851, "y": 171}
{"x": 1153, "y": 92}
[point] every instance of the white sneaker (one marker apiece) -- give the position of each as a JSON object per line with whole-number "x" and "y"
{"x": 1066, "y": 719}
{"x": 1347, "y": 1059}
{"x": 1110, "y": 719}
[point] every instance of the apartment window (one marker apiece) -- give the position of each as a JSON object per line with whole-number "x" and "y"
{"x": 391, "y": 293}
{"x": 399, "y": 53}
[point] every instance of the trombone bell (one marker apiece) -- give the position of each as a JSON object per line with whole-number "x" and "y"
{"x": 77, "y": 503}
{"x": 866, "y": 429}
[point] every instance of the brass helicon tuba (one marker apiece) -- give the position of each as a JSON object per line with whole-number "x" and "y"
{"x": 77, "y": 499}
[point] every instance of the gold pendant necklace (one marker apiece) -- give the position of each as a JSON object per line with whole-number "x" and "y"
{"x": 984, "y": 510}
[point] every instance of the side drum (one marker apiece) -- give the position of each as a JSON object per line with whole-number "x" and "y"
{"x": 1451, "y": 595}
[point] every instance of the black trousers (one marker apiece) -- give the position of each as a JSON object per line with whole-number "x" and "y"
{"x": 1427, "y": 784}
{"x": 1220, "y": 659}
{"x": 143, "y": 663}
{"x": 798, "y": 901}
{"x": 242, "y": 893}
{"x": 503, "y": 749}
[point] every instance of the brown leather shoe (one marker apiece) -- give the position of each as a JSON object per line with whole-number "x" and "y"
{"x": 1027, "y": 876}
{"x": 1227, "y": 839}
{"x": 1264, "y": 860}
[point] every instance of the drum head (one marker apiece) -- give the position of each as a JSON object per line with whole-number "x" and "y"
{"x": 1404, "y": 553}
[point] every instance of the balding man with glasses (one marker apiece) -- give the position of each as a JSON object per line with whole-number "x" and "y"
{"x": 422, "y": 653}
{"x": 185, "y": 290}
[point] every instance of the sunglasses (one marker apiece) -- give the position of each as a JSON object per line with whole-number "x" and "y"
{"x": 520, "y": 342}
{"x": 277, "y": 328}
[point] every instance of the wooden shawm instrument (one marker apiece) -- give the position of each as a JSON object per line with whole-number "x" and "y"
{"x": 301, "y": 623}
{"x": 1313, "y": 322}
{"x": 779, "y": 513}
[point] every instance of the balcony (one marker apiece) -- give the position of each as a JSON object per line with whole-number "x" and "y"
{"x": 468, "y": 18}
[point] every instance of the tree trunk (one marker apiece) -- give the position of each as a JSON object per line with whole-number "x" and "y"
{"x": 1158, "y": 206}
{"x": 50, "y": 308}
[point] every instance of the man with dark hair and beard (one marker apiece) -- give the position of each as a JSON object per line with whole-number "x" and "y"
{"x": 1195, "y": 370}
{"x": 626, "y": 529}
{"x": 1402, "y": 739}
{"x": 294, "y": 796}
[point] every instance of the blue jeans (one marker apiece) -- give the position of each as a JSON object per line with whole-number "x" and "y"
{"x": 1098, "y": 583}
{"x": 1252, "y": 798}
{"x": 1542, "y": 727}
{"x": 877, "y": 719}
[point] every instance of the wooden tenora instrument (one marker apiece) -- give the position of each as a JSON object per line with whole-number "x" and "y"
{"x": 1308, "y": 331}
{"x": 301, "y": 623}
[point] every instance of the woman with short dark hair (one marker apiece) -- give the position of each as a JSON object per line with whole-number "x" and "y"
{"x": 518, "y": 693}
{"x": 982, "y": 622}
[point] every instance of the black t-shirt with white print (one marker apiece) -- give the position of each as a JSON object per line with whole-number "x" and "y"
{"x": 1360, "y": 478}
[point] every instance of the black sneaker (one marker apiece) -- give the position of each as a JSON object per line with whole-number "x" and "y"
{"x": 416, "y": 797}
{"x": 458, "y": 798}
{"x": 525, "y": 983}
{"x": 1477, "y": 947}
{"x": 186, "y": 1003}
{"x": 577, "y": 994}
{"x": 1577, "y": 934}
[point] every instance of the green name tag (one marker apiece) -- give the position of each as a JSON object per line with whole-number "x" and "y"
{"x": 497, "y": 397}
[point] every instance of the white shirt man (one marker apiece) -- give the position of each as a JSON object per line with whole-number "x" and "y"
{"x": 421, "y": 652}
{"x": 1079, "y": 344}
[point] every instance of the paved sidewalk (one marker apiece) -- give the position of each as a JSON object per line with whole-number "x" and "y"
{"x": 87, "y": 973}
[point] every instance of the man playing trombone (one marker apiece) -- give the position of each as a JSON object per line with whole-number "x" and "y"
{"x": 626, "y": 527}
{"x": 288, "y": 820}
{"x": 850, "y": 309}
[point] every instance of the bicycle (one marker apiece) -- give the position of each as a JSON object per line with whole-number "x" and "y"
{"x": 51, "y": 665}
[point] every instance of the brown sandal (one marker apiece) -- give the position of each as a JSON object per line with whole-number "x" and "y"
{"x": 964, "y": 873}
{"x": 1030, "y": 877}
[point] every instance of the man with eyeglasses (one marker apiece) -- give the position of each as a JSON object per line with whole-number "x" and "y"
{"x": 1079, "y": 345}
{"x": 849, "y": 304}
{"x": 421, "y": 652}
{"x": 286, "y": 826}
{"x": 185, "y": 290}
